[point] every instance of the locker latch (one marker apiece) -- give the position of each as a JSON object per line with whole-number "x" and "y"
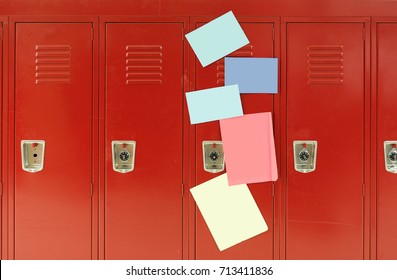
{"x": 213, "y": 156}
{"x": 305, "y": 153}
{"x": 32, "y": 155}
{"x": 123, "y": 154}
{"x": 390, "y": 148}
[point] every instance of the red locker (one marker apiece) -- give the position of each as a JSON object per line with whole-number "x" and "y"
{"x": 325, "y": 102}
{"x": 144, "y": 103}
{"x": 53, "y": 102}
{"x": 79, "y": 207}
{"x": 1, "y": 145}
{"x": 262, "y": 44}
{"x": 386, "y": 123}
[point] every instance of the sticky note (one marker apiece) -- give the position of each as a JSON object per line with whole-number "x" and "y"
{"x": 253, "y": 75}
{"x": 230, "y": 213}
{"x": 217, "y": 39}
{"x": 248, "y": 144}
{"x": 214, "y": 104}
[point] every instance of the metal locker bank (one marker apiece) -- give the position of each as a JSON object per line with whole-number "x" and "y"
{"x": 98, "y": 154}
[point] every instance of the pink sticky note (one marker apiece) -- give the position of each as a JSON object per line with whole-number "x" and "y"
{"x": 248, "y": 144}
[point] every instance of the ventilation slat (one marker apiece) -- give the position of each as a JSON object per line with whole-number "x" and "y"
{"x": 326, "y": 61}
{"x": 323, "y": 81}
{"x": 144, "y": 54}
{"x": 143, "y": 61}
{"x": 53, "y": 48}
{"x": 338, "y": 68}
{"x": 55, "y": 60}
{"x": 141, "y": 68}
{"x": 325, "y": 64}
{"x": 52, "y": 81}
{"x": 143, "y": 82}
{"x": 313, "y": 48}
{"x": 53, "y": 68}
{"x": 242, "y": 54}
{"x": 326, "y": 74}
{"x": 143, "y": 48}
{"x": 246, "y": 51}
{"x": 53, "y": 54}
{"x": 65, "y": 75}
{"x": 144, "y": 75}
{"x": 53, "y": 64}
{"x": 144, "y": 65}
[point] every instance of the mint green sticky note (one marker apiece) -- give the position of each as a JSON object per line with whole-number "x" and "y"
{"x": 217, "y": 39}
{"x": 214, "y": 104}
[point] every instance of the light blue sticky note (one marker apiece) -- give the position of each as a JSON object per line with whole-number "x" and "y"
{"x": 253, "y": 75}
{"x": 214, "y": 104}
{"x": 217, "y": 39}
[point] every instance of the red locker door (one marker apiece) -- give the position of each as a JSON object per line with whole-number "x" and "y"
{"x": 387, "y": 99}
{"x": 144, "y": 97}
{"x": 325, "y": 102}
{"x": 1, "y": 145}
{"x": 53, "y": 103}
{"x": 261, "y": 246}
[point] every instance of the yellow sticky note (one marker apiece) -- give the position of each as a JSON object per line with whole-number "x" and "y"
{"x": 231, "y": 214}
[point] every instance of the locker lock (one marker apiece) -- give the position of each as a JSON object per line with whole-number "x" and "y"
{"x": 393, "y": 156}
{"x": 390, "y": 148}
{"x": 305, "y": 155}
{"x": 123, "y": 155}
{"x": 32, "y": 155}
{"x": 213, "y": 156}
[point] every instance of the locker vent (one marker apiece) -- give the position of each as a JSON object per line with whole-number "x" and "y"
{"x": 53, "y": 64}
{"x": 144, "y": 65}
{"x": 325, "y": 64}
{"x": 246, "y": 51}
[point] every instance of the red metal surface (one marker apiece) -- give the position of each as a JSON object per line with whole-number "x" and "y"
{"x": 323, "y": 215}
{"x": 387, "y": 182}
{"x": 1, "y": 144}
{"x": 201, "y": 7}
{"x": 261, "y": 44}
{"x": 4, "y": 141}
{"x": 325, "y": 207}
{"x": 143, "y": 212}
{"x": 53, "y": 207}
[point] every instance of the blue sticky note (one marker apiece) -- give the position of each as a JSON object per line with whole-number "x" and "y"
{"x": 253, "y": 75}
{"x": 214, "y": 104}
{"x": 217, "y": 39}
